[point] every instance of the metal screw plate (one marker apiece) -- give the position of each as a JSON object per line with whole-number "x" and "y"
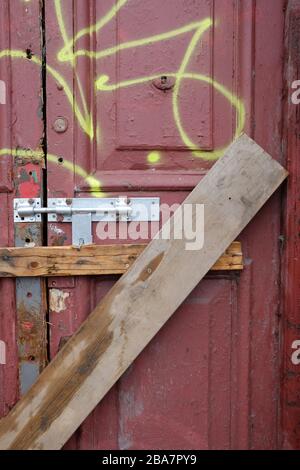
{"x": 24, "y": 202}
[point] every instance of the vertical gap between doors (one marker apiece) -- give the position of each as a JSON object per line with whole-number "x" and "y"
{"x": 45, "y": 152}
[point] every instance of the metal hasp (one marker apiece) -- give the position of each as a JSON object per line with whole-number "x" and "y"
{"x": 82, "y": 212}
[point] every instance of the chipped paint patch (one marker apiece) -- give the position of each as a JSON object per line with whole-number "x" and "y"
{"x": 30, "y": 245}
{"x": 56, "y": 230}
{"x": 58, "y": 300}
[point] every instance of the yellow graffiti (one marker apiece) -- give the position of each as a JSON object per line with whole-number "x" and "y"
{"x": 130, "y": 44}
{"x": 102, "y": 85}
{"x": 67, "y": 52}
{"x": 61, "y": 24}
{"x": 92, "y": 182}
{"x": 83, "y": 112}
{"x": 22, "y": 153}
{"x": 86, "y": 122}
{"x": 154, "y": 157}
{"x": 181, "y": 75}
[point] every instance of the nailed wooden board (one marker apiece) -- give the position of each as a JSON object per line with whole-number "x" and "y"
{"x": 140, "y": 303}
{"x": 89, "y": 260}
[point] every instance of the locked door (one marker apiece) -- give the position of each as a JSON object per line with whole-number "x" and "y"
{"x": 141, "y": 97}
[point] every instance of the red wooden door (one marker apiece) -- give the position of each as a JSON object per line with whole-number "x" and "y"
{"x": 141, "y": 98}
{"x": 139, "y": 87}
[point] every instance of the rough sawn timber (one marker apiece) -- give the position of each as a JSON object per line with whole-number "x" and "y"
{"x": 89, "y": 260}
{"x": 140, "y": 303}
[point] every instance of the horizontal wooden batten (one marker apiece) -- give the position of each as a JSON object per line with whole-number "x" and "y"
{"x": 90, "y": 260}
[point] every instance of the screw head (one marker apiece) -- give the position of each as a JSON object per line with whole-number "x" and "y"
{"x": 60, "y": 125}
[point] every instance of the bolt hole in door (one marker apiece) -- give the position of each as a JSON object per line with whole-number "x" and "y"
{"x": 27, "y": 240}
{"x": 29, "y": 53}
{"x": 29, "y": 295}
{"x": 164, "y": 83}
{"x": 60, "y": 160}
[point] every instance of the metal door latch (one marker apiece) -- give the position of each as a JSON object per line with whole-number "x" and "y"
{"x": 82, "y": 212}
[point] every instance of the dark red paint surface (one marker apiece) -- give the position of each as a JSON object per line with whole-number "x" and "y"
{"x": 291, "y": 271}
{"x": 212, "y": 377}
{"x": 21, "y": 129}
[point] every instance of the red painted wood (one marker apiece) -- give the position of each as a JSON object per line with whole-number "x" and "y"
{"x": 210, "y": 379}
{"x": 21, "y": 128}
{"x": 264, "y": 233}
{"x": 291, "y": 288}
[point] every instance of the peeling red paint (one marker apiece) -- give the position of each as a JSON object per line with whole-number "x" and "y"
{"x": 26, "y": 325}
{"x": 28, "y": 181}
{"x": 290, "y": 385}
{"x": 211, "y": 378}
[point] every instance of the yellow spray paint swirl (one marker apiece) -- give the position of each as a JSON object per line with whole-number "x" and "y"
{"x": 92, "y": 182}
{"x": 84, "y": 116}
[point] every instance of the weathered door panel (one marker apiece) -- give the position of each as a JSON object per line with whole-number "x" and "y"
{"x": 139, "y": 137}
{"x": 124, "y": 120}
{"x": 164, "y": 400}
{"x": 142, "y": 96}
{"x": 22, "y": 306}
{"x": 290, "y": 273}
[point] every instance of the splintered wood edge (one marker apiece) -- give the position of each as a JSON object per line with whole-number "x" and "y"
{"x": 90, "y": 260}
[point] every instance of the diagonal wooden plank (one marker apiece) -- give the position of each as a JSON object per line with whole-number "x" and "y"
{"x": 89, "y": 260}
{"x": 140, "y": 303}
